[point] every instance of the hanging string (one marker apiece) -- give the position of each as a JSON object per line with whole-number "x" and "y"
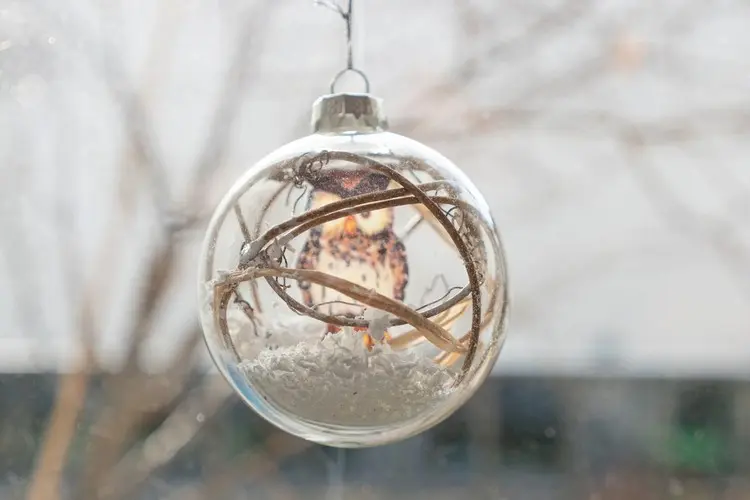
{"x": 346, "y": 15}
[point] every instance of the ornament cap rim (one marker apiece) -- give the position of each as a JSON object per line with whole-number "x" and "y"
{"x": 348, "y": 113}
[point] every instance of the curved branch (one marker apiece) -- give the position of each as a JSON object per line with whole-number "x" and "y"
{"x": 469, "y": 264}
{"x": 257, "y": 245}
{"x": 434, "y": 333}
{"x": 466, "y": 239}
{"x": 329, "y": 215}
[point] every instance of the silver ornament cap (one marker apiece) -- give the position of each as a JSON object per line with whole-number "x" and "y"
{"x": 347, "y": 113}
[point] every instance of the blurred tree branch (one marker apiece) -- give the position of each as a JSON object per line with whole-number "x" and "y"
{"x": 535, "y": 33}
{"x": 177, "y": 430}
{"x": 128, "y": 399}
{"x": 592, "y": 124}
{"x": 129, "y": 406}
{"x": 45, "y": 482}
{"x": 720, "y": 234}
{"x": 251, "y": 465}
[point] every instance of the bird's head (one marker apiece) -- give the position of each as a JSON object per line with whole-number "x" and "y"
{"x": 337, "y": 184}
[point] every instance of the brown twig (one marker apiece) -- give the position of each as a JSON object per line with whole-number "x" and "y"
{"x": 411, "y": 226}
{"x": 329, "y": 215}
{"x": 316, "y": 216}
{"x": 224, "y": 287}
{"x": 332, "y": 211}
{"x": 243, "y": 225}
{"x": 445, "y": 319}
{"x": 71, "y": 394}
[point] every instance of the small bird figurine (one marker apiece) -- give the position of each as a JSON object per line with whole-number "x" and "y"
{"x": 362, "y": 248}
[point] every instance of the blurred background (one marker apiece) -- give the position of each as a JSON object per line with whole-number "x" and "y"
{"x": 610, "y": 139}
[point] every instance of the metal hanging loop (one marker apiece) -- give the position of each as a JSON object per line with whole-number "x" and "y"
{"x": 343, "y": 72}
{"x": 346, "y": 15}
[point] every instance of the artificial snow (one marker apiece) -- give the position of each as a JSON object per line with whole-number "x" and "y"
{"x": 271, "y": 331}
{"x": 336, "y": 380}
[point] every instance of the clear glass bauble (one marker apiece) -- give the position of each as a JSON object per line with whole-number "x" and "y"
{"x": 334, "y": 298}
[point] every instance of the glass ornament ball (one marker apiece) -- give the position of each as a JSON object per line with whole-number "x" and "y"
{"x": 352, "y": 283}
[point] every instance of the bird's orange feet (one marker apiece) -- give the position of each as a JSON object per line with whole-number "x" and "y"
{"x": 369, "y": 341}
{"x": 330, "y": 329}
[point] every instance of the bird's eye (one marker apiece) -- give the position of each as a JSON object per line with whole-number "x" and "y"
{"x": 365, "y": 215}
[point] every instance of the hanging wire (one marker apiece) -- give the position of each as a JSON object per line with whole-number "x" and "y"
{"x": 346, "y": 15}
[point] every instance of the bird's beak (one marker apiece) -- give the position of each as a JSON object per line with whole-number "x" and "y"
{"x": 350, "y": 225}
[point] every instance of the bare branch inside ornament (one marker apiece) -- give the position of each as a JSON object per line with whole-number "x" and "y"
{"x": 432, "y": 331}
{"x": 438, "y": 279}
{"x": 411, "y": 226}
{"x": 263, "y": 257}
{"x": 328, "y": 213}
{"x": 241, "y": 221}
{"x": 247, "y": 309}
